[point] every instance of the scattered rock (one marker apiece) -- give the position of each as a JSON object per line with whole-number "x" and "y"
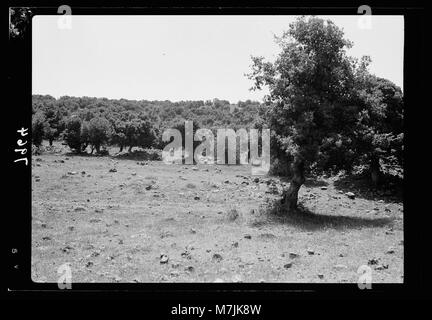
{"x": 390, "y": 251}
{"x": 350, "y": 195}
{"x": 165, "y": 234}
{"x": 175, "y": 273}
{"x": 323, "y": 188}
{"x": 163, "y": 258}
{"x": 288, "y": 265}
{"x": 293, "y": 255}
{"x": 381, "y": 267}
{"x": 321, "y": 276}
{"x": 373, "y": 261}
{"x": 235, "y": 244}
{"x": 66, "y": 249}
{"x": 310, "y": 251}
{"x": 247, "y": 236}
{"x": 217, "y": 257}
{"x": 186, "y": 254}
{"x": 113, "y": 170}
{"x": 190, "y": 269}
{"x": 192, "y": 230}
{"x": 76, "y": 209}
{"x": 197, "y": 198}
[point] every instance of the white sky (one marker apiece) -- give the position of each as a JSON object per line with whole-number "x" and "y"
{"x": 182, "y": 57}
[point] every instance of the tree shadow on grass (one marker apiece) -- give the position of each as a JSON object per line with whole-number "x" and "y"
{"x": 139, "y": 155}
{"x": 305, "y": 219}
{"x": 390, "y": 188}
{"x": 310, "y": 181}
{"x": 84, "y": 154}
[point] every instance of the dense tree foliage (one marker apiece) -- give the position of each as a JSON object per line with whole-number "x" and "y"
{"x": 131, "y": 123}
{"x": 99, "y": 132}
{"x": 325, "y": 110}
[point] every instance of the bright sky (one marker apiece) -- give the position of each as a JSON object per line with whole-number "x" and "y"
{"x": 182, "y": 57}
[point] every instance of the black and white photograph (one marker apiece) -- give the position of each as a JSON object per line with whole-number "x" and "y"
{"x": 214, "y": 148}
{"x": 105, "y": 202}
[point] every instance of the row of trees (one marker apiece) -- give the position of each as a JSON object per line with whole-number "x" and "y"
{"x": 325, "y": 110}
{"x": 98, "y": 122}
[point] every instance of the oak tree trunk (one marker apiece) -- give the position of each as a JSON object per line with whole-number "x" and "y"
{"x": 291, "y": 195}
{"x": 375, "y": 170}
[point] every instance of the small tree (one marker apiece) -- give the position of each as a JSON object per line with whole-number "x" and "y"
{"x": 139, "y": 132}
{"x": 118, "y": 136}
{"x": 72, "y": 134}
{"x": 38, "y": 126}
{"x": 53, "y": 124}
{"x": 85, "y": 135}
{"x": 99, "y": 132}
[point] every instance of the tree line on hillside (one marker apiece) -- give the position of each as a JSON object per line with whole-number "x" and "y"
{"x": 99, "y": 122}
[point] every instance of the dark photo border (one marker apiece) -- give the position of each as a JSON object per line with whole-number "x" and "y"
{"x": 18, "y": 281}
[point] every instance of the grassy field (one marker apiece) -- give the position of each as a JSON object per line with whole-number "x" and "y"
{"x": 119, "y": 220}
